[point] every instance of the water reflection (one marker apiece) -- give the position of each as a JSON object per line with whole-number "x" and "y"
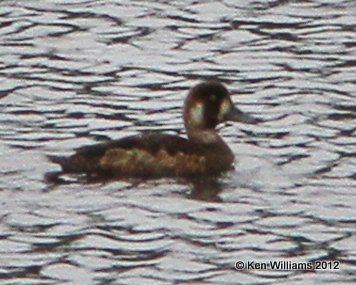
{"x": 206, "y": 189}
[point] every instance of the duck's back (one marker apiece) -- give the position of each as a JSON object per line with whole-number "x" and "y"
{"x": 150, "y": 154}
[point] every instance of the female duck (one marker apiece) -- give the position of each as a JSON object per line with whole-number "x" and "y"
{"x": 157, "y": 155}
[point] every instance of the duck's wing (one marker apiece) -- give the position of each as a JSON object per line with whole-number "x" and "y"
{"x": 88, "y": 159}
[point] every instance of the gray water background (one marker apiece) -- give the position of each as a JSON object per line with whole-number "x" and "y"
{"x": 76, "y": 72}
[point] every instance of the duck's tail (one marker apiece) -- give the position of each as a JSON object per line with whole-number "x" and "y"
{"x": 76, "y": 163}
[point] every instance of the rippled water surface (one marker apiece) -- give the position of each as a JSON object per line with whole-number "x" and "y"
{"x": 76, "y": 72}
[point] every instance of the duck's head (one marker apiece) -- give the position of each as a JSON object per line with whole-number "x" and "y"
{"x": 207, "y": 105}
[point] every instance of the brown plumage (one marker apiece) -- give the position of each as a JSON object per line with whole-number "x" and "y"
{"x": 150, "y": 154}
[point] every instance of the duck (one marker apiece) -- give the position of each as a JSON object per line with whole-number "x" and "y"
{"x": 154, "y": 154}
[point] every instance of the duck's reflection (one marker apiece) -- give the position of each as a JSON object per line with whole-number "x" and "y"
{"x": 201, "y": 188}
{"x": 206, "y": 189}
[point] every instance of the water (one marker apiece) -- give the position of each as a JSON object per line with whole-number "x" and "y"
{"x": 76, "y": 72}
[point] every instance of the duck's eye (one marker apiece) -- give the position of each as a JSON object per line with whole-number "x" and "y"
{"x": 212, "y": 98}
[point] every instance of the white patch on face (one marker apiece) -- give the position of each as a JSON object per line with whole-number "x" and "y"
{"x": 196, "y": 115}
{"x": 225, "y": 107}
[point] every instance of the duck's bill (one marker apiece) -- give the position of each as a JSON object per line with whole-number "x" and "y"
{"x": 238, "y": 116}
